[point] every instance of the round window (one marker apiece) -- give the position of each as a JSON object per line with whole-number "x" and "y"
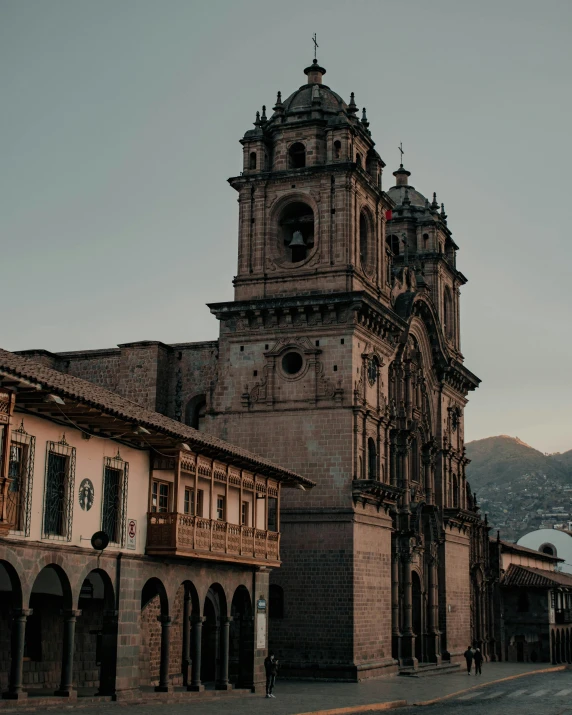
{"x": 292, "y": 363}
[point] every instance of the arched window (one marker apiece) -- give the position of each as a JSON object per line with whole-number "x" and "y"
{"x": 359, "y": 160}
{"x": 252, "y": 164}
{"x": 363, "y": 241}
{"x": 296, "y": 225}
{"x": 547, "y": 549}
{"x": 196, "y": 411}
{"x": 448, "y": 319}
{"x": 415, "y": 474}
{"x": 392, "y": 243}
{"x": 337, "y": 149}
{"x": 371, "y": 459}
{"x": 455, "y": 491}
{"x": 276, "y": 601}
{"x": 297, "y": 154}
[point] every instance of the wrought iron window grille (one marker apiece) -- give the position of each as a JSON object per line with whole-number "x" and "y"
{"x": 21, "y": 473}
{"x": 59, "y": 490}
{"x": 114, "y": 499}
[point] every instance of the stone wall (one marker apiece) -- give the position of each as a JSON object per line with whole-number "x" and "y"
{"x": 455, "y": 592}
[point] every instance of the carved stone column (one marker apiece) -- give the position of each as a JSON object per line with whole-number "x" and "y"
{"x": 66, "y": 682}
{"x": 186, "y": 637}
{"x": 395, "y": 625}
{"x": 407, "y": 634}
{"x": 164, "y": 685}
{"x": 433, "y": 635}
{"x": 15, "y": 690}
{"x": 196, "y": 643}
{"x": 222, "y": 682}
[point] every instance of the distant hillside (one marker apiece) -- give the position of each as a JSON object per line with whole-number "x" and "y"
{"x": 503, "y": 459}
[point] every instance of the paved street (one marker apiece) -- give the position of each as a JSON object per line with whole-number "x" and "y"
{"x": 547, "y": 694}
{"x": 545, "y": 690}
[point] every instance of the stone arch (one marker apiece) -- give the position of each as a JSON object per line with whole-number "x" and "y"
{"x": 297, "y": 155}
{"x": 367, "y": 251}
{"x": 10, "y": 605}
{"x": 215, "y": 615}
{"x": 279, "y": 239}
{"x": 185, "y": 607}
{"x": 96, "y": 633}
{"x": 155, "y": 617}
{"x": 195, "y": 411}
{"x": 241, "y": 645}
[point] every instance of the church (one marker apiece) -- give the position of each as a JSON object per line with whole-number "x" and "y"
{"x": 339, "y": 359}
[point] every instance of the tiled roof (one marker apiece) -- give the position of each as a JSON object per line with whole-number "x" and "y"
{"x": 535, "y": 578}
{"x": 113, "y": 404}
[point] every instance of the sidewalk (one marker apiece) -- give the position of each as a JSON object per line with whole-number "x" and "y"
{"x": 294, "y": 697}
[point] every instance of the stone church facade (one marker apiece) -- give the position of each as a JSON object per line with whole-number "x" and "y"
{"x": 339, "y": 358}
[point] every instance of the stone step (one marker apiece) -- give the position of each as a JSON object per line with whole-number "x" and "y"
{"x": 425, "y": 670}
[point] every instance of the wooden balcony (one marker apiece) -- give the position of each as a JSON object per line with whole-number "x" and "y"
{"x": 171, "y": 534}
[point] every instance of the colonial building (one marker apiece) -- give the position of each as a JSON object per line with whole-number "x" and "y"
{"x": 531, "y": 605}
{"x": 340, "y": 357}
{"x": 179, "y": 594}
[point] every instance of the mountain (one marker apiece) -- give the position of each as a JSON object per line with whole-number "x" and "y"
{"x": 520, "y": 488}
{"x": 503, "y": 459}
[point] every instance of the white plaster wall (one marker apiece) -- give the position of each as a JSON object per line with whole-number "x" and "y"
{"x": 559, "y": 539}
{"x": 90, "y": 454}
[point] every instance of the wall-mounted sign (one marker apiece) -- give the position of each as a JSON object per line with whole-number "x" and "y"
{"x": 86, "y": 494}
{"x": 261, "y": 605}
{"x": 131, "y": 534}
{"x": 261, "y": 630}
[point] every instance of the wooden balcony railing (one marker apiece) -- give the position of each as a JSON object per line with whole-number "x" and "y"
{"x": 182, "y": 534}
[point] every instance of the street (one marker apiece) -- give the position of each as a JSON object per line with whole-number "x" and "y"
{"x": 545, "y": 694}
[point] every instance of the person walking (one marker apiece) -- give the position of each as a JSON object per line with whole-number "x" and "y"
{"x": 469, "y": 658}
{"x": 271, "y": 668}
{"x": 478, "y": 658}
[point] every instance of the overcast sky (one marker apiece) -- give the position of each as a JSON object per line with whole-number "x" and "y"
{"x": 120, "y": 124}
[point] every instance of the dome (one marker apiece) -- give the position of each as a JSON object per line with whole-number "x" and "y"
{"x": 302, "y": 99}
{"x": 397, "y": 194}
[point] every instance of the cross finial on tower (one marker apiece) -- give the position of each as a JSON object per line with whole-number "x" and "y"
{"x": 400, "y": 147}
{"x": 315, "y": 41}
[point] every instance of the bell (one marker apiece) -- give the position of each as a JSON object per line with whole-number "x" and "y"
{"x": 297, "y": 240}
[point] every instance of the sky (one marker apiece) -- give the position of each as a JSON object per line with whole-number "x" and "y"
{"x": 121, "y": 122}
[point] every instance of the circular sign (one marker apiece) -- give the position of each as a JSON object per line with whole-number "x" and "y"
{"x": 86, "y": 494}
{"x": 99, "y": 540}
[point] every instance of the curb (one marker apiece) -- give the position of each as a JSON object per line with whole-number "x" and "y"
{"x": 350, "y": 710}
{"x": 492, "y": 682}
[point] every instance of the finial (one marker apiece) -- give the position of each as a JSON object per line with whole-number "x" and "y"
{"x": 426, "y": 204}
{"x": 406, "y": 200}
{"x": 443, "y": 214}
{"x": 352, "y": 108}
{"x": 400, "y": 147}
{"x": 279, "y": 98}
{"x": 257, "y": 121}
{"x": 279, "y": 107}
{"x": 263, "y": 118}
{"x": 364, "y": 118}
{"x": 316, "y": 45}
{"x": 434, "y": 204}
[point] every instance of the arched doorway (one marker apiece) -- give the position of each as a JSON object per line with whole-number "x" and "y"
{"x": 417, "y": 615}
{"x": 96, "y": 635}
{"x": 215, "y": 639}
{"x": 186, "y": 609}
{"x": 241, "y": 647}
{"x": 12, "y": 632}
{"x": 50, "y": 632}
{"x": 154, "y": 650}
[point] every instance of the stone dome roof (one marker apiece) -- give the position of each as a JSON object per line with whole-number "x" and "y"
{"x": 397, "y": 194}
{"x": 301, "y": 99}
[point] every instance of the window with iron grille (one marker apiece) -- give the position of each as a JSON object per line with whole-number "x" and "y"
{"x": 20, "y": 475}
{"x": 114, "y": 502}
{"x": 59, "y": 490}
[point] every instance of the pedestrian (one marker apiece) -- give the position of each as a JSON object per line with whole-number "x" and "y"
{"x": 478, "y": 658}
{"x": 469, "y": 658}
{"x": 271, "y": 668}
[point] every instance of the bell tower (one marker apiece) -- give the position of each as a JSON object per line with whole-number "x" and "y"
{"x": 339, "y": 358}
{"x": 312, "y": 211}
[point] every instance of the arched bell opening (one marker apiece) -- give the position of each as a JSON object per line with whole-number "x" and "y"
{"x": 296, "y": 230}
{"x": 50, "y": 632}
{"x": 297, "y": 156}
{"x": 154, "y": 650}
{"x": 195, "y": 412}
{"x": 241, "y": 649}
{"x": 96, "y": 635}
